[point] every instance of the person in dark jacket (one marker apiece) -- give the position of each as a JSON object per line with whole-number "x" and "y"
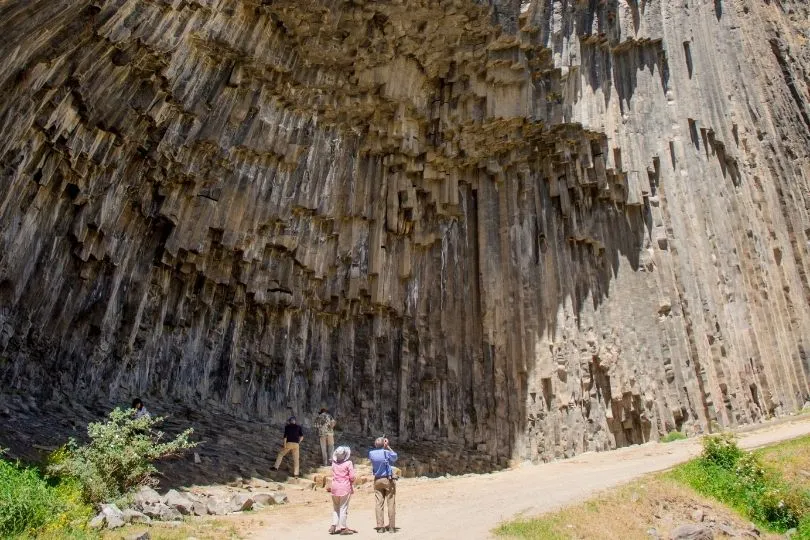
{"x": 140, "y": 410}
{"x": 293, "y": 436}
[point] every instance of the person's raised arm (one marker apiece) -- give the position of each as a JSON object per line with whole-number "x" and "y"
{"x": 390, "y": 454}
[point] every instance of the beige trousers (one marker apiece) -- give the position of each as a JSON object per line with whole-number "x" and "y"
{"x": 289, "y": 447}
{"x": 385, "y": 491}
{"x": 327, "y": 447}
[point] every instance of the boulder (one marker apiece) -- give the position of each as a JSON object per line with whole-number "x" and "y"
{"x": 162, "y": 512}
{"x": 272, "y": 498}
{"x": 241, "y": 502}
{"x": 691, "y": 531}
{"x": 133, "y": 516}
{"x": 97, "y": 522}
{"x": 112, "y": 516}
{"x": 146, "y": 495}
{"x": 179, "y": 501}
{"x": 200, "y": 508}
{"x": 217, "y": 507}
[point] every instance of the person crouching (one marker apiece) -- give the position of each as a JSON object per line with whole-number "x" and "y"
{"x": 342, "y": 489}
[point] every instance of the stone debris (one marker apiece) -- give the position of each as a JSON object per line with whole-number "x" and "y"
{"x": 113, "y": 517}
{"x": 269, "y": 499}
{"x": 146, "y": 495}
{"x": 149, "y": 505}
{"x": 691, "y": 531}
{"x": 134, "y": 516}
{"x": 97, "y": 522}
{"x": 241, "y": 502}
{"x": 161, "y": 511}
{"x": 178, "y": 501}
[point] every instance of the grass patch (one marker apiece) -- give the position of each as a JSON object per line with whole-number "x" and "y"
{"x": 32, "y": 505}
{"x": 654, "y": 503}
{"x": 728, "y": 487}
{"x": 548, "y": 528}
{"x": 791, "y": 459}
{"x": 673, "y": 436}
{"x": 740, "y": 480}
{"x": 199, "y": 528}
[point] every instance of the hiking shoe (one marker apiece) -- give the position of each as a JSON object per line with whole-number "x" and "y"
{"x": 332, "y": 529}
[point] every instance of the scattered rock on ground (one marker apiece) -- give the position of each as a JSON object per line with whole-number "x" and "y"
{"x": 146, "y": 495}
{"x": 691, "y": 531}
{"x": 112, "y": 516}
{"x": 241, "y": 502}
{"x": 276, "y": 497}
{"x": 178, "y": 501}
{"x": 143, "y": 535}
{"x": 133, "y": 516}
{"x": 97, "y": 522}
{"x": 161, "y": 512}
{"x": 218, "y": 507}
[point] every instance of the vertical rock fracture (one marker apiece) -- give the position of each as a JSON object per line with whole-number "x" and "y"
{"x": 530, "y": 228}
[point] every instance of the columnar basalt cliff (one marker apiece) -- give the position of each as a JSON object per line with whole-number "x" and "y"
{"x": 527, "y": 228}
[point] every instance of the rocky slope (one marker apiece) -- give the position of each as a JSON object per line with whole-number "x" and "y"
{"x": 526, "y": 228}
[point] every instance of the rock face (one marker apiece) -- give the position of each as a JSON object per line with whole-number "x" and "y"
{"x": 532, "y": 228}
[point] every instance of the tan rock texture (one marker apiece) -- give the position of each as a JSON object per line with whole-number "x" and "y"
{"x": 527, "y": 228}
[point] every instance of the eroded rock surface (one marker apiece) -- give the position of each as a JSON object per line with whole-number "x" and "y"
{"x": 527, "y": 228}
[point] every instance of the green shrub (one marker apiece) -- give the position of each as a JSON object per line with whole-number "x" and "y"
{"x": 723, "y": 450}
{"x": 737, "y": 478}
{"x": 118, "y": 457}
{"x": 33, "y": 505}
{"x": 673, "y": 436}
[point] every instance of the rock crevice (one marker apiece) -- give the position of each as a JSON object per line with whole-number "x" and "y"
{"x": 528, "y": 228}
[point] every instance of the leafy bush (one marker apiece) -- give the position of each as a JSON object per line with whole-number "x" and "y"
{"x": 673, "y": 436}
{"x": 33, "y": 505}
{"x": 722, "y": 450}
{"x": 738, "y": 478}
{"x": 118, "y": 457}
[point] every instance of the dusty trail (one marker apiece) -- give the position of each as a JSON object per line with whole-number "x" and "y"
{"x": 470, "y": 506}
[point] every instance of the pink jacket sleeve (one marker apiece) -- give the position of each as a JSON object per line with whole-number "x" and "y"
{"x": 351, "y": 472}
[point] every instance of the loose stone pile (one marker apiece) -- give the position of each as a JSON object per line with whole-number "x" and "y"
{"x": 148, "y": 505}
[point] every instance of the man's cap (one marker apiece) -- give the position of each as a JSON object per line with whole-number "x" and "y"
{"x": 291, "y": 419}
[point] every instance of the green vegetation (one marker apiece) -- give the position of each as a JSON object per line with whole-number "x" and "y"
{"x": 770, "y": 487}
{"x": 33, "y": 505}
{"x": 673, "y": 436}
{"x": 548, "y": 529}
{"x": 740, "y": 480}
{"x": 118, "y": 457}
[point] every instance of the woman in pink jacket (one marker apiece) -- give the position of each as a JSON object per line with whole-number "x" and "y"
{"x": 342, "y": 489}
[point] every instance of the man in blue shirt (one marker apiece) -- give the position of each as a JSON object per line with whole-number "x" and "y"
{"x": 385, "y": 490}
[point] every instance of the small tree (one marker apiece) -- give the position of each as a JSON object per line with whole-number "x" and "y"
{"x": 119, "y": 455}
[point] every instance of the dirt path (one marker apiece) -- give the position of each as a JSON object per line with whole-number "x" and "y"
{"x": 470, "y": 506}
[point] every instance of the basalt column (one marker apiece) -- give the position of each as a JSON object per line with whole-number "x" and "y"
{"x": 528, "y": 228}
